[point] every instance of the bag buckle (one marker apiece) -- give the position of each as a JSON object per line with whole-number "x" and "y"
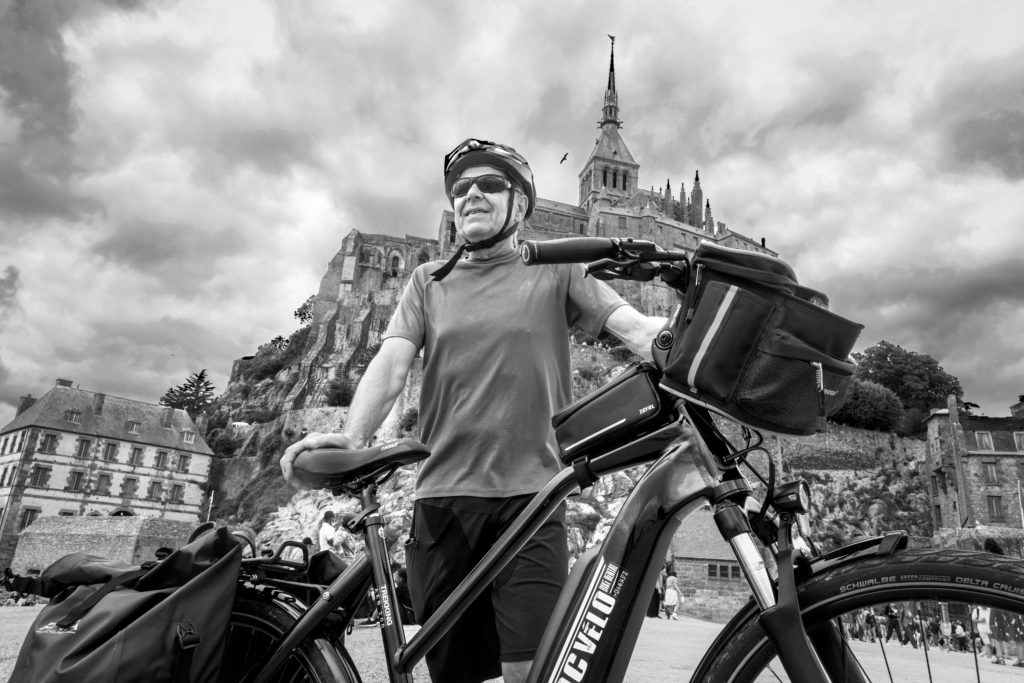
{"x": 188, "y": 637}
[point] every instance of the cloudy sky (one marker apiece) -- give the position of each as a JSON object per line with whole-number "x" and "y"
{"x": 175, "y": 175}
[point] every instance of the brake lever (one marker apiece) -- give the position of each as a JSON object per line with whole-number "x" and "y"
{"x": 633, "y": 269}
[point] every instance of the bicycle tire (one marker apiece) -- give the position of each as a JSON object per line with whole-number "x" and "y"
{"x": 742, "y": 652}
{"x": 257, "y": 624}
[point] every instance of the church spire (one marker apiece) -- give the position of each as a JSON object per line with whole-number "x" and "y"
{"x": 611, "y": 97}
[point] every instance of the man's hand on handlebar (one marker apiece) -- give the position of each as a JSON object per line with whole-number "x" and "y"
{"x": 308, "y": 443}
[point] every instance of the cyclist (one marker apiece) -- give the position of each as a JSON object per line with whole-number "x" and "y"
{"x": 495, "y": 341}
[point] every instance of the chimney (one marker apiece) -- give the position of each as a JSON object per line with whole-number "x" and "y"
{"x": 24, "y": 403}
{"x": 762, "y": 241}
{"x": 64, "y": 382}
{"x": 97, "y": 403}
{"x": 1017, "y": 409}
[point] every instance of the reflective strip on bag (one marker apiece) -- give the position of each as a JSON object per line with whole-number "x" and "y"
{"x": 705, "y": 343}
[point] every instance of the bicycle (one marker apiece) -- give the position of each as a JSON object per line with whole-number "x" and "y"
{"x": 288, "y": 627}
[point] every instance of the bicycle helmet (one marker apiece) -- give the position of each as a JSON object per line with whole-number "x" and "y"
{"x": 473, "y": 152}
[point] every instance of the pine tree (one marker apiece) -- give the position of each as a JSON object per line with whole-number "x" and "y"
{"x": 194, "y": 396}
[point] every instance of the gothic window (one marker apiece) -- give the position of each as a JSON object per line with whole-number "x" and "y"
{"x": 995, "y": 508}
{"x": 452, "y": 235}
{"x": 984, "y": 440}
{"x": 615, "y": 179}
{"x": 604, "y": 177}
{"x": 625, "y": 180}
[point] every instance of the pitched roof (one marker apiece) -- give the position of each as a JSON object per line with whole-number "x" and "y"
{"x": 111, "y": 420}
{"x": 610, "y": 146}
{"x": 699, "y": 538}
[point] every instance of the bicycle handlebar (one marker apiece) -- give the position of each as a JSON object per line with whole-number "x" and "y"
{"x": 587, "y": 249}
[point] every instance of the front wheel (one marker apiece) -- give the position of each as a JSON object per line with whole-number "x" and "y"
{"x": 257, "y": 625}
{"x": 959, "y": 616}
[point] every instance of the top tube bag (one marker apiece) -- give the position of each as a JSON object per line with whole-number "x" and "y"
{"x": 753, "y": 344}
{"x": 112, "y": 621}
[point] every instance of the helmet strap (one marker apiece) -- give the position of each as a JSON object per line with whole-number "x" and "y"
{"x": 506, "y": 231}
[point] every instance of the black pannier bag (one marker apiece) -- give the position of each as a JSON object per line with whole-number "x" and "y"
{"x": 111, "y": 621}
{"x": 751, "y": 343}
{"x": 625, "y": 408}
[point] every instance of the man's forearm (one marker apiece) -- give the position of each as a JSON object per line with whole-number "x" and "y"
{"x": 376, "y": 394}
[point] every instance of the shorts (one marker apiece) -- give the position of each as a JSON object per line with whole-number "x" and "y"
{"x": 504, "y": 624}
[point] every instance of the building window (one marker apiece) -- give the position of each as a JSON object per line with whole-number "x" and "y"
{"x": 935, "y": 485}
{"x": 73, "y": 416}
{"x": 161, "y": 460}
{"x": 132, "y": 426}
{"x": 129, "y": 487}
{"x": 40, "y": 476}
{"x": 1018, "y": 440}
{"x": 83, "y": 448}
{"x": 3, "y": 477}
{"x": 49, "y": 444}
{"x": 76, "y": 480}
{"x": 938, "y": 516}
{"x": 984, "y": 440}
{"x": 722, "y": 571}
{"x": 183, "y": 462}
{"x": 136, "y": 457}
{"x": 28, "y": 515}
{"x": 188, "y": 437}
{"x": 103, "y": 484}
{"x": 66, "y": 513}
{"x": 712, "y": 571}
{"x": 3, "y": 448}
{"x": 990, "y": 472}
{"x": 734, "y": 572}
{"x": 156, "y": 489}
{"x": 995, "y": 508}
{"x": 110, "y": 452}
{"x": 177, "y": 493}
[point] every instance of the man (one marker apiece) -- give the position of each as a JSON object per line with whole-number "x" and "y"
{"x": 494, "y": 335}
{"x": 326, "y": 534}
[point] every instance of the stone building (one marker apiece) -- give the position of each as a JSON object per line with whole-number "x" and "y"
{"x": 710, "y": 579}
{"x": 73, "y": 452}
{"x": 976, "y": 466}
{"x": 358, "y": 293}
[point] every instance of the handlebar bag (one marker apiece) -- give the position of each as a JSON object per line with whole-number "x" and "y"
{"x": 623, "y": 409}
{"x": 753, "y": 344}
{"x": 112, "y": 621}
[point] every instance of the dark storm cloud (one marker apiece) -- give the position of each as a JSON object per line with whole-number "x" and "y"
{"x": 181, "y": 256}
{"x": 980, "y": 114}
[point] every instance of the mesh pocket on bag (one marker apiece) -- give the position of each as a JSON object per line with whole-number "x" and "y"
{"x": 785, "y": 390}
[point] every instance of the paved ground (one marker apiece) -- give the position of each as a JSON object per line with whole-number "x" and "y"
{"x": 666, "y": 651}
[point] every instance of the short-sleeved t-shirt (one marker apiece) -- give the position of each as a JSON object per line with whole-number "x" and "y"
{"x": 495, "y": 342}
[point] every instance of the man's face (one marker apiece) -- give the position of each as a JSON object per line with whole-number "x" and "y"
{"x": 480, "y": 215}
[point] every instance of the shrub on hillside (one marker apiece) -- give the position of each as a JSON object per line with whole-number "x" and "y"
{"x": 338, "y": 393}
{"x": 869, "y": 405}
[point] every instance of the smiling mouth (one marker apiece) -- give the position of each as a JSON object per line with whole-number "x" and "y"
{"x": 473, "y": 212}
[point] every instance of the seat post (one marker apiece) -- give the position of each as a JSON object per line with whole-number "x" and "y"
{"x": 388, "y": 613}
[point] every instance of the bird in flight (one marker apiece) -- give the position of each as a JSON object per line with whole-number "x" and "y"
{"x": 564, "y": 157}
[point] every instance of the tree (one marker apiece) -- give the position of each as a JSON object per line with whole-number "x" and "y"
{"x": 869, "y": 405}
{"x": 194, "y": 396}
{"x": 918, "y": 379}
{"x": 304, "y": 313}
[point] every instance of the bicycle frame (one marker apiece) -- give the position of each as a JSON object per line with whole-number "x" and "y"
{"x": 597, "y": 619}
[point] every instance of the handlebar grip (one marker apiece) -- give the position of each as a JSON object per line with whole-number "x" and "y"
{"x": 568, "y": 250}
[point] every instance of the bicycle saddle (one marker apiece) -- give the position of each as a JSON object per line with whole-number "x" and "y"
{"x": 333, "y": 468}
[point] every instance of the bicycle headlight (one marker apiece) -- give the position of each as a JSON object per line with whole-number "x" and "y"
{"x": 793, "y": 497}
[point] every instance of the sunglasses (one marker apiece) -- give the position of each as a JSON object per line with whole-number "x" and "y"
{"x": 488, "y": 184}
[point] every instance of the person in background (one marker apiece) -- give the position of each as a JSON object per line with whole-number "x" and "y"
{"x": 671, "y": 595}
